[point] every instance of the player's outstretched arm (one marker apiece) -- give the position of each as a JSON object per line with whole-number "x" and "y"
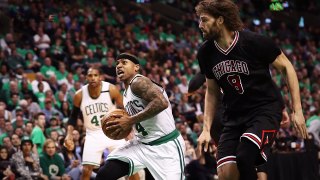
{"x": 283, "y": 65}
{"x": 116, "y": 96}
{"x": 210, "y": 104}
{"x": 151, "y": 93}
{"x": 72, "y": 122}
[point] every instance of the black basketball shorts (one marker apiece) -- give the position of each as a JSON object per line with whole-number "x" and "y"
{"x": 260, "y": 127}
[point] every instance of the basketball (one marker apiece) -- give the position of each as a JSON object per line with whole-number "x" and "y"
{"x": 108, "y": 118}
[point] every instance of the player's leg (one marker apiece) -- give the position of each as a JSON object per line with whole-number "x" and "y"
{"x": 112, "y": 145}
{"x": 113, "y": 170}
{"x": 165, "y": 161}
{"x": 86, "y": 171}
{"x": 256, "y": 142}
{"x": 247, "y": 154}
{"x": 123, "y": 158}
{"x": 262, "y": 172}
{"x": 136, "y": 176}
{"x": 92, "y": 152}
{"x": 148, "y": 175}
{"x": 228, "y": 172}
{"x": 262, "y": 176}
{"x": 226, "y": 157}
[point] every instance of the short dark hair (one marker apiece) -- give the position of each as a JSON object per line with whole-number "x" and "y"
{"x": 95, "y": 68}
{"x": 128, "y": 56}
{"x": 26, "y": 139}
{"x": 224, "y": 8}
{"x": 39, "y": 114}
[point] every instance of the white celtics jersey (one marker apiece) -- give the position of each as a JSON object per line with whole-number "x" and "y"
{"x": 94, "y": 109}
{"x": 153, "y": 128}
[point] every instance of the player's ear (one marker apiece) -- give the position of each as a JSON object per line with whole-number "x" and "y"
{"x": 136, "y": 67}
{"x": 220, "y": 20}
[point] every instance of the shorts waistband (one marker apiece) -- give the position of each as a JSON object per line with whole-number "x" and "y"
{"x": 169, "y": 137}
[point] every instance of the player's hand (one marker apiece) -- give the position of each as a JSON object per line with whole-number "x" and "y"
{"x": 285, "y": 121}
{"x": 299, "y": 123}
{"x": 68, "y": 142}
{"x": 203, "y": 142}
{"x": 120, "y": 124}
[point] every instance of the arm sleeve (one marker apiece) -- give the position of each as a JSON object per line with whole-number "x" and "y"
{"x": 196, "y": 82}
{"x": 74, "y": 116}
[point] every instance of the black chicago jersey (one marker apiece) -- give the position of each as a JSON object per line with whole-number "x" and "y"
{"x": 242, "y": 71}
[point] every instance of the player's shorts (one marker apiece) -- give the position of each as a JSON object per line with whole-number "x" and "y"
{"x": 260, "y": 128}
{"x": 164, "y": 161}
{"x": 95, "y": 143}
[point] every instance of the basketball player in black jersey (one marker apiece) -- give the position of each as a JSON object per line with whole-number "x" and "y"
{"x": 238, "y": 62}
{"x": 216, "y": 128}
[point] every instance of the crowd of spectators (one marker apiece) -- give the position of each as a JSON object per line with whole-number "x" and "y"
{"x": 43, "y": 64}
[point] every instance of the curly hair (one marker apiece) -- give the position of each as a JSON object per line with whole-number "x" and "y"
{"x": 224, "y": 8}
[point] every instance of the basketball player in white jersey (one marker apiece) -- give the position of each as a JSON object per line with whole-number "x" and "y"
{"x": 157, "y": 145}
{"x": 94, "y": 100}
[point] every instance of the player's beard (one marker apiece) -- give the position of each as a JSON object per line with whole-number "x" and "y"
{"x": 213, "y": 33}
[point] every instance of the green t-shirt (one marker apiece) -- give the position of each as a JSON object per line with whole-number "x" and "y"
{"x": 41, "y": 96}
{"x": 2, "y": 136}
{"x": 47, "y": 71}
{"x": 14, "y": 124}
{"x": 75, "y": 77}
{"x": 61, "y": 76}
{"x": 142, "y": 62}
{"x": 170, "y": 38}
{"x": 52, "y": 166}
{"x": 56, "y": 49}
{"x": 38, "y": 138}
{"x": 58, "y": 129}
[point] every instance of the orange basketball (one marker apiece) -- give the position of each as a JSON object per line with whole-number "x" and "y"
{"x": 108, "y": 118}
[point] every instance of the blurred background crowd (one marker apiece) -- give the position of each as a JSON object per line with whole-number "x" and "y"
{"x": 43, "y": 64}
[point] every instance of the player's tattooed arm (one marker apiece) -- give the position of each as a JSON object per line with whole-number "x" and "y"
{"x": 147, "y": 90}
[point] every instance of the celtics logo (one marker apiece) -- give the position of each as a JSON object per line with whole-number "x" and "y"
{"x": 53, "y": 170}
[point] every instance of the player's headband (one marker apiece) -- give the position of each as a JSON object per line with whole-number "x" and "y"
{"x": 128, "y": 56}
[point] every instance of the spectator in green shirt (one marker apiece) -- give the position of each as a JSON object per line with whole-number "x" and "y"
{"x": 47, "y": 70}
{"x": 54, "y": 126}
{"x": 40, "y": 95}
{"x": 32, "y": 65}
{"x": 51, "y": 163}
{"x": 62, "y": 73}
{"x": 37, "y": 134}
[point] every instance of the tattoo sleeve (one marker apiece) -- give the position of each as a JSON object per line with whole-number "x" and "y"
{"x": 147, "y": 90}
